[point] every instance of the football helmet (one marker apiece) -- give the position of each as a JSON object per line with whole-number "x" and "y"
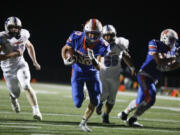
{"x": 10, "y": 23}
{"x": 93, "y": 30}
{"x": 169, "y": 37}
{"x": 111, "y": 31}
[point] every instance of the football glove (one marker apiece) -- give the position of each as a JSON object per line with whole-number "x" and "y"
{"x": 90, "y": 54}
{"x": 69, "y": 61}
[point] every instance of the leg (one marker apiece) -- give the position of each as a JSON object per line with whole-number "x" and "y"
{"x": 13, "y": 86}
{"x": 113, "y": 89}
{"x": 23, "y": 76}
{"x": 77, "y": 90}
{"x": 145, "y": 99}
{"x": 94, "y": 89}
{"x": 104, "y": 95}
{"x": 133, "y": 104}
{"x": 124, "y": 114}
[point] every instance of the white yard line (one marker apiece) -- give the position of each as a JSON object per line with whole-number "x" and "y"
{"x": 20, "y": 126}
{"x": 65, "y": 125}
{"x": 134, "y": 94}
{"x": 77, "y": 115}
{"x": 166, "y": 108}
{"x": 42, "y": 134}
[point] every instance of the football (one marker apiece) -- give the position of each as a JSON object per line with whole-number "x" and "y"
{"x": 70, "y": 55}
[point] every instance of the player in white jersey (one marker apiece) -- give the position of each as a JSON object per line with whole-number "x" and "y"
{"x": 15, "y": 69}
{"x": 110, "y": 74}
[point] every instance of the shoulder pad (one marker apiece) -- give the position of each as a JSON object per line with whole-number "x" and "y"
{"x": 76, "y": 34}
{"x": 122, "y": 42}
{"x": 25, "y": 34}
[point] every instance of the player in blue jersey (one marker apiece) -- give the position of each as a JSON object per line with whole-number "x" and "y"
{"x": 84, "y": 50}
{"x": 160, "y": 58}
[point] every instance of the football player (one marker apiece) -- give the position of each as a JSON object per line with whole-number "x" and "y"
{"x": 160, "y": 58}
{"x": 13, "y": 42}
{"x": 85, "y": 51}
{"x": 110, "y": 75}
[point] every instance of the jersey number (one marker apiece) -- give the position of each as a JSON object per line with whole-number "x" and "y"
{"x": 111, "y": 60}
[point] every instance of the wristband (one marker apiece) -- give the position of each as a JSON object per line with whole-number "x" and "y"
{"x": 94, "y": 62}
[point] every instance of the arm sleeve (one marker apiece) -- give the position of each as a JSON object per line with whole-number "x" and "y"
{"x": 69, "y": 41}
{"x": 152, "y": 47}
{"x": 26, "y": 35}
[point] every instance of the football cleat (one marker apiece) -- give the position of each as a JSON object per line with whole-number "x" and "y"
{"x": 122, "y": 115}
{"x": 105, "y": 118}
{"x": 132, "y": 122}
{"x": 84, "y": 127}
{"x": 99, "y": 109}
{"x": 37, "y": 116}
{"x": 15, "y": 104}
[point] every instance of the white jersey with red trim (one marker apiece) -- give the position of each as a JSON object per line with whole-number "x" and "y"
{"x": 9, "y": 44}
{"x": 112, "y": 61}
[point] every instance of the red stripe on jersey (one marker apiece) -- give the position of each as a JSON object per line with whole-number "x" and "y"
{"x": 18, "y": 42}
{"x": 71, "y": 73}
{"x": 146, "y": 91}
{"x": 152, "y": 47}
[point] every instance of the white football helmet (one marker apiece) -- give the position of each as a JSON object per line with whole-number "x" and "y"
{"x": 109, "y": 30}
{"x": 169, "y": 37}
{"x": 12, "y": 22}
{"x": 93, "y": 26}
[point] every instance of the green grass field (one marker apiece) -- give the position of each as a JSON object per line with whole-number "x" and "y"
{"x": 60, "y": 117}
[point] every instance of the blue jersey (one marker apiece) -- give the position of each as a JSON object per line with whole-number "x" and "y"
{"x": 83, "y": 63}
{"x": 150, "y": 66}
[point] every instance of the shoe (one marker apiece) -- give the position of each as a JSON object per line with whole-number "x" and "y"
{"x": 133, "y": 122}
{"x": 122, "y": 115}
{"x": 105, "y": 118}
{"x": 37, "y": 116}
{"x": 15, "y": 104}
{"x": 99, "y": 109}
{"x": 84, "y": 127}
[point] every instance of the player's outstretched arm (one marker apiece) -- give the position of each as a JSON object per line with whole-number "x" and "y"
{"x": 32, "y": 55}
{"x": 128, "y": 60}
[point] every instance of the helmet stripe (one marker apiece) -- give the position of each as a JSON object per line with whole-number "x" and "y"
{"x": 15, "y": 21}
{"x": 165, "y": 32}
{"x": 93, "y": 24}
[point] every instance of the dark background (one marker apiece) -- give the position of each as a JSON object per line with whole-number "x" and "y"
{"x": 50, "y": 23}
